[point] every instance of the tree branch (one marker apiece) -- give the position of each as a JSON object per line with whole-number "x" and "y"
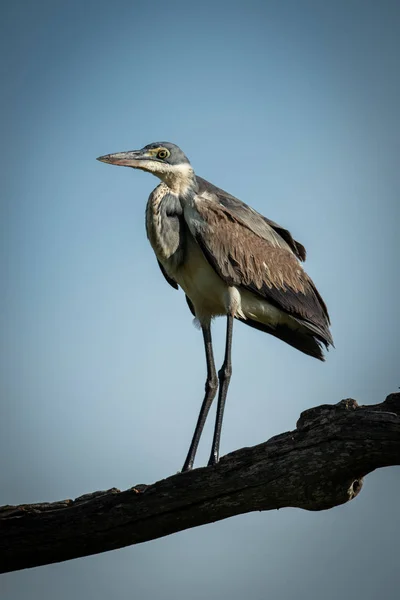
{"x": 319, "y": 465}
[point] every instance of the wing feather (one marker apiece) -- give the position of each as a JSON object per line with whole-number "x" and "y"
{"x": 169, "y": 279}
{"x": 262, "y": 226}
{"x": 243, "y": 258}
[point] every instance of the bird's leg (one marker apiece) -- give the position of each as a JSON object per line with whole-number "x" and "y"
{"x": 211, "y": 389}
{"x": 224, "y": 376}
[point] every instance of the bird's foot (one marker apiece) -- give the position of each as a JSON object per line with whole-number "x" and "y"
{"x": 214, "y": 459}
{"x": 188, "y": 466}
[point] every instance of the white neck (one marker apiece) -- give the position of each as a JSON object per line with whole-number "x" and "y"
{"x": 179, "y": 178}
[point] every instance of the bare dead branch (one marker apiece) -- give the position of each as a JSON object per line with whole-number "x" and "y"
{"x": 319, "y": 465}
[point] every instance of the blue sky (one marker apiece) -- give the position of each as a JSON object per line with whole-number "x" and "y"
{"x": 292, "y": 107}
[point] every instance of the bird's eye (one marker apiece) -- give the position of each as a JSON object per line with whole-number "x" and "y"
{"x": 163, "y": 153}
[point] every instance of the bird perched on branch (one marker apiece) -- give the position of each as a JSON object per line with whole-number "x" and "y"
{"x": 230, "y": 261}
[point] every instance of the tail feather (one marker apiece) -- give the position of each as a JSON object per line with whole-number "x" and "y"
{"x": 303, "y": 339}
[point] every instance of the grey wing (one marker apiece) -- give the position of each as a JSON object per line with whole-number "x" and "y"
{"x": 167, "y": 277}
{"x": 260, "y": 225}
{"x": 164, "y": 222}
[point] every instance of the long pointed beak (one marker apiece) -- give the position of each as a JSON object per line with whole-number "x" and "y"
{"x": 132, "y": 158}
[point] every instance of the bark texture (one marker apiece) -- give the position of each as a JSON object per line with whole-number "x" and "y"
{"x": 319, "y": 465}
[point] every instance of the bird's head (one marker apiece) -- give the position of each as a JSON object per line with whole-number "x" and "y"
{"x": 163, "y": 159}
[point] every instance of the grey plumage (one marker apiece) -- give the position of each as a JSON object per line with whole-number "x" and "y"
{"x": 258, "y": 223}
{"x": 230, "y": 260}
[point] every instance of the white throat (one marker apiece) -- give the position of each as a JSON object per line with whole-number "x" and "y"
{"x": 179, "y": 178}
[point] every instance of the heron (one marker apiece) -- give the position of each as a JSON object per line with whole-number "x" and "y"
{"x": 230, "y": 261}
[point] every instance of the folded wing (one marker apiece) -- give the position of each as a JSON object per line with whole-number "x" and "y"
{"x": 260, "y": 225}
{"x": 266, "y": 265}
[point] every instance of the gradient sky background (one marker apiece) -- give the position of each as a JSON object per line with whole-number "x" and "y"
{"x": 294, "y": 108}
